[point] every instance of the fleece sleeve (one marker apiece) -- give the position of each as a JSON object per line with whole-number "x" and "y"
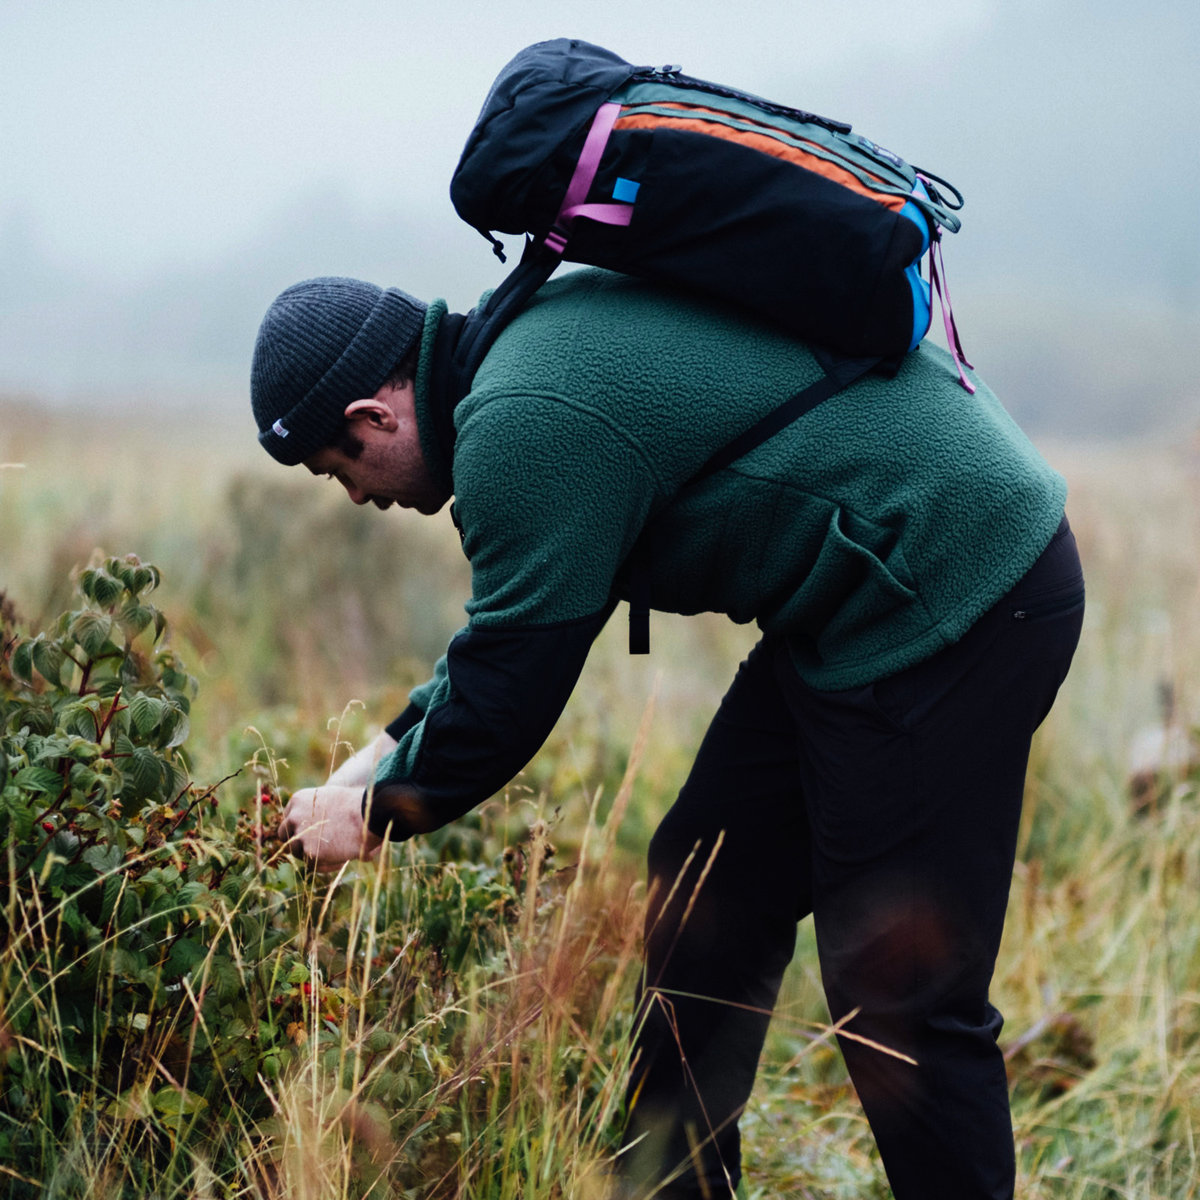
{"x": 550, "y": 501}
{"x": 505, "y": 689}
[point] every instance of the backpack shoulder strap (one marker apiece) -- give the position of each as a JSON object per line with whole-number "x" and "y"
{"x": 839, "y": 373}
{"x": 486, "y": 321}
{"x": 463, "y": 341}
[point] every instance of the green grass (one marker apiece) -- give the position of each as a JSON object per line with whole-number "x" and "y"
{"x": 306, "y": 621}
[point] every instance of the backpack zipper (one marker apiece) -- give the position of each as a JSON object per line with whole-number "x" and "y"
{"x": 673, "y": 75}
{"x": 873, "y": 179}
{"x": 936, "y": 208}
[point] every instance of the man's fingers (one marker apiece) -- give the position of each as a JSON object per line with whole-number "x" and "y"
{"x": 291, "y": 840}
{"x": 294, "y": 832}
{"x": 287, "y": 830}
{"x": 325, "y": 827}
{"x": 292, "y": 823}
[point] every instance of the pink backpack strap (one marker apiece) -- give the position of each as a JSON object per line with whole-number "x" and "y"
{"x": 573, "y": 204}
{"x": 937, "y": 276}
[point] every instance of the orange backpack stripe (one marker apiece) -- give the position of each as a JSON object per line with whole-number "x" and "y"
{"x": 792, "y": 151}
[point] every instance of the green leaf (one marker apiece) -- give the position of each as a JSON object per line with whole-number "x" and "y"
{"x": 130, "y": 909}
{"x": 145, "y": 712}
{"x": 122, "y": 963}
{"x": 175, "y": 778}
{"x": 22, "y": 661}
{"x": 174, "y": 727}
{"x": 39, "y": 779}
{"x": 22, "y": 823}
{"x": 144, "y": 578}
{"x": 81, "y": 718}
{"x": 144, "y": 771}
{"x": 135, "y": 617}
{"x": 73, "y": 920}
{"x": 224, "y": 977}
{"x": 93, "y": 632}
{"x": 84, "y": 780}
{"x": 191, "y": 891}
{"x": 185, "y": 955}
{"x": 48, "y": 658}
{"x": 37, "y": 716}
{"x": 112, "y": 889}
{"x": 103, "y": 859}
{"x": 106, "y": 590}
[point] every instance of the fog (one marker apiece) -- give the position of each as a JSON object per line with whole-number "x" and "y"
{"x": 168, "y": 167}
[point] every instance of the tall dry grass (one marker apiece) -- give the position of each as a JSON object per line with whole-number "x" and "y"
{"x": 290, "y": 603}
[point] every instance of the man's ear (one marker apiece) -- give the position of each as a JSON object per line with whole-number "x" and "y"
{"x": 376, "y": 412}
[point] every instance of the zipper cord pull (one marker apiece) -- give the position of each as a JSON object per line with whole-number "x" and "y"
{"x": 497, "y": 244}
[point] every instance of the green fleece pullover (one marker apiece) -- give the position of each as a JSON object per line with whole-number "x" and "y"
{"x": 872, "y": 532}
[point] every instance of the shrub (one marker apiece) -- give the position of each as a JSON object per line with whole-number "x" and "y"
{"x": 144, "y": 965}
{"x": 183, "y": 1003}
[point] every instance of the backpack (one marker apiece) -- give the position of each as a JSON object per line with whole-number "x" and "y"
{"x": 650, "y": 172}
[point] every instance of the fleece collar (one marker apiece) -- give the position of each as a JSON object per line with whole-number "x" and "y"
{"x": 433, "y": 399}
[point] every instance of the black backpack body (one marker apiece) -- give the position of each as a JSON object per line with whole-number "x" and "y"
{"x": 791, "y": 215}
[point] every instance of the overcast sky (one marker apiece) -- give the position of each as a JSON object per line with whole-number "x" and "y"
{"x": 139, "y": 134}
{"x": 152, "y": 146}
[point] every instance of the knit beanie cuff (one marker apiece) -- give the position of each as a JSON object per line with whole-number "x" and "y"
{"x": 291, "y": 431}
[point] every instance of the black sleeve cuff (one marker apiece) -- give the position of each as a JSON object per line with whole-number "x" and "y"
{"x": 397, "y": 812}
{"x": 409, "y": 718}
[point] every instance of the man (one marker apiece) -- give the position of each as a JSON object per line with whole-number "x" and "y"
{"x": 904, "y": 552}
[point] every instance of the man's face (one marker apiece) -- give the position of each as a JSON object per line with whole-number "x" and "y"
{"x": 391, "y": 468}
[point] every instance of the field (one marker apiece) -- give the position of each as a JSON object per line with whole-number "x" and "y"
{"x": 453, "y": 1022}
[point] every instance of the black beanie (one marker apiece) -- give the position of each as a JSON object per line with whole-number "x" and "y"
{"x": 323, "y": 344}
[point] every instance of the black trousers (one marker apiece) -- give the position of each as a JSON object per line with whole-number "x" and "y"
{"x": 889, "y": 813}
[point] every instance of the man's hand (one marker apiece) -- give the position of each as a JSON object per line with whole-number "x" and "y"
{"x": 325, "y": 824}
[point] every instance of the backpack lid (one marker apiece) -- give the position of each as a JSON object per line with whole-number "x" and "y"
{"x": 540, "y": 101}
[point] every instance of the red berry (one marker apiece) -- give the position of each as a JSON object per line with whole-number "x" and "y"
{"x": 48, "y": 826}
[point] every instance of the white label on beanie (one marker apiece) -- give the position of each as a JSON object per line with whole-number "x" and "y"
{"x": 279, "y": 429}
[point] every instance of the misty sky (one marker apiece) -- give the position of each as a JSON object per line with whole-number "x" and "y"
{"x": 152, "y": 150}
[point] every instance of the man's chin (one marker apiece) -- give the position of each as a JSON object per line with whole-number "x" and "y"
{"x": 427, "y": 506}
{"x": 432, "y": 506}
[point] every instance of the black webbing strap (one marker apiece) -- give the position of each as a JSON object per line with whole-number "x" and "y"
{"x": 840, "y": 373}
{"x": 639, "y": 600}
{"x": 486, "y": 323}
